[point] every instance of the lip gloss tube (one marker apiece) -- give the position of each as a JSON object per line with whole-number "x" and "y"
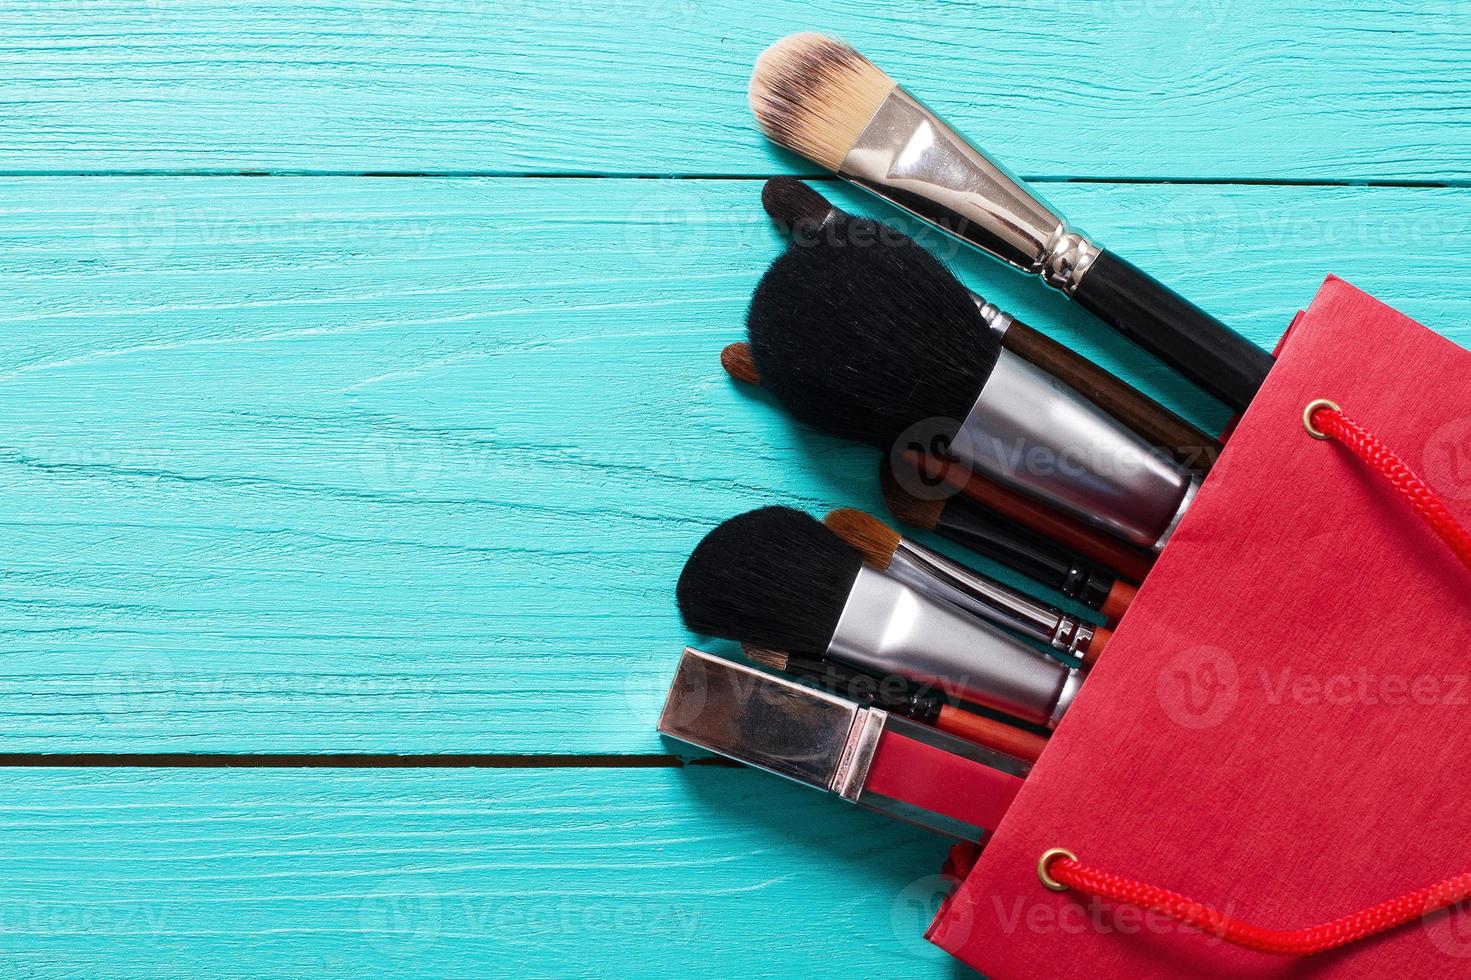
{"x": 864, "y": 755}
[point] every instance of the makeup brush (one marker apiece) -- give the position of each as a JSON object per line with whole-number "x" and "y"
{"x": 1035, "y": 517}
{"x": 777, "y": 578}
{"x": 879, "y": 342}
{"x": 820, "y": 98}
{"x": 804, "y": 213}
{"x": 901, "y": 700}
{"x": 930, "y": 572}
{"x": 737, "y": 362}
{"x": 962, "y": 521}
{"x": 989, "y": 496}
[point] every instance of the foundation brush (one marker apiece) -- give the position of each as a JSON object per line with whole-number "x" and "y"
{"x": 930, "y": 572}
{"x": 824, "y": 100}
{"x": 806, "y": 215}
{"x": 883, "y": 344}
{"x": 901, "y": 698}
{"x": 958, "y": 519}
{"x": 777, "y": 578}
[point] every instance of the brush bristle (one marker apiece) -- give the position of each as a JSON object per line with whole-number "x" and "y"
{"x": 773, "y": 577}
{"x": 738, "y": 363}
{"x": 765, "y": 656}
{"x": 797, "y": 209}
{"x": 905, "y": 506}
{"x": 814, "y": 95}
{"x": 863, "y": 333}
{"x": 874, "y": 539}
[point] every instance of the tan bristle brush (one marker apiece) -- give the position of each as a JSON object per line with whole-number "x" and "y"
{"x": 737, "y": 361}
{"x": 896, "y": 696}
{"x": 930, "y": 572}
{"x": 822, "y": 99}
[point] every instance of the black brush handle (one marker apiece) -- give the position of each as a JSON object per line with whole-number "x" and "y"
{"x": 1020, "y": 550}
{"x": 1174, "y": 330}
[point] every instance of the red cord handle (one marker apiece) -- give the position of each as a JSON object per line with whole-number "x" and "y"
{"x": 1060, "y": 870}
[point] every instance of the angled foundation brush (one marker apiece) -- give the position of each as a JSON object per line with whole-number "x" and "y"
{"x": 804, "y": 214}
{"x": 959, "y": 519}
{"x": 930, "y": 572}
{"x": 902, "y": 699}
{"x": 777, "y": 578}
{"x": 820, "y": 98}
{"x": 878, "y": 343}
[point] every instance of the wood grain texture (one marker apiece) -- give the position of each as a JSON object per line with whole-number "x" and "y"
{"x": 394, "y": 465}
{"x": 1136, "y": 88}
{"x": 253, "y": 873}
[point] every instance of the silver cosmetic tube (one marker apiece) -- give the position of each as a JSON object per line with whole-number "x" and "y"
{"x": 931, "y": 572}
{"x": 909, "y": 157}
{"x": 888, "y": 627}
{"x": 1030, "y": 431}
{"x": 818, "y": 739}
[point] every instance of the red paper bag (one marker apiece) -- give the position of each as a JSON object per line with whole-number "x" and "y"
{"x": 1281, "y": 727}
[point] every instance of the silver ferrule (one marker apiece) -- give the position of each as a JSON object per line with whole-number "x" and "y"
{"x": 808, "y": 736}
{"x": 933, "y": 574}
{"x": 994, "y": 316}
{"x": 888, "y": 627}
{"x": 1031, "y": 431}
{"x": 909, "y": 157}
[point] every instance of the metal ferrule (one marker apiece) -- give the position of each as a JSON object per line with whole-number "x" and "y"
{"x": 994, "y": 316}
{"x": 889, "y": 627}
{"x": 808, "y": 736}
{"x": 932, "y": 573}
{"x": 909, "y": 157}
{"x": 1030, "y": 431}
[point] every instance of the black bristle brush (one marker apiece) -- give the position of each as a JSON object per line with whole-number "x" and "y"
{"x": 882, "y": 343}
{"x": 804, "y": 214}
{"x": 778, "y": 578}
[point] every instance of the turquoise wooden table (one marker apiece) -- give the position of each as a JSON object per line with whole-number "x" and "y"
{"x": 359, "y": 403}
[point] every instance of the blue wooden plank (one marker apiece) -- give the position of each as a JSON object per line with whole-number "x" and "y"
{"x": 401, "y": 465}
{"x": 1142, "y": 88}
{"x": 537, "y": 873}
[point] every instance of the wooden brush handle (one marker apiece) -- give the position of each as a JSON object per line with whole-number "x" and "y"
{"x": 1073, "y": 534}
{"x": 993, "y": 734}
{"x": 1174, "y": 330}
{"x": 1160, "y": 426}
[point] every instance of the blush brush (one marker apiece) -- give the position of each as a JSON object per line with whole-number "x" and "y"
{"x": 822, "y": 99}
{"x": 988, "y": 496}
{"x": 930, "y": 572}
{"x": 958, "y": 519}
{"x": 883, "y": 344}
{"x": 903, "y": 699}
{"x": 777, "y": 578}
{"x": 804, "y": 214}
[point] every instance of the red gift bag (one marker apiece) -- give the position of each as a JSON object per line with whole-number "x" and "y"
{"x": 1281, "y": 728}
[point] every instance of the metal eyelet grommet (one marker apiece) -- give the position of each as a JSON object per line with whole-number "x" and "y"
{"x": 1045, "y": 862}
{"x": 1307, "y": 416}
